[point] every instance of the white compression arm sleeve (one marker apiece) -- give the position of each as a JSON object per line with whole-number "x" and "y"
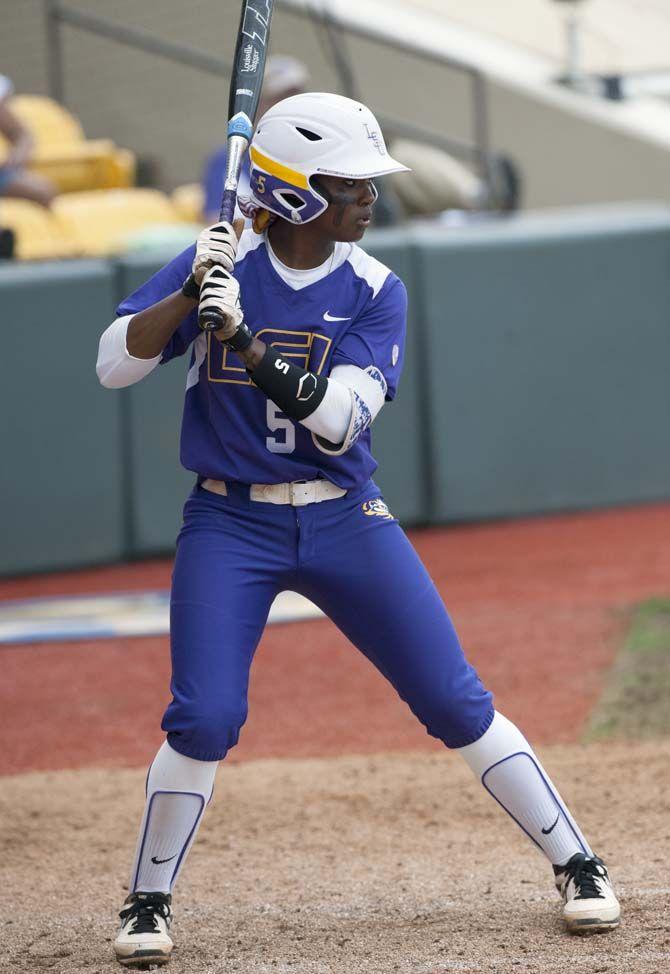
{"x": 332, "y": 418}
{"x": 116, "y": 367}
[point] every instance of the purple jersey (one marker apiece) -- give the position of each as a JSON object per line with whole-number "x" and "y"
{"x": 355, "y": 315}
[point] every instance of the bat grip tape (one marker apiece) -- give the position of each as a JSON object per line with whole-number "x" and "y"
{"x": 228, "y": 206}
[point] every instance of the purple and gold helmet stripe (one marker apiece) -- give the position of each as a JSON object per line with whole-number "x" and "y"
{"x": 282, "y": 172}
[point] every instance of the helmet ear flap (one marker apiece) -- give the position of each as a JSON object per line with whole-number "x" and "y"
{"x": 295, "y": 201}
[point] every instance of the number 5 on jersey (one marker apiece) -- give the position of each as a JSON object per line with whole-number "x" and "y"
{"x": 277, "y": 422}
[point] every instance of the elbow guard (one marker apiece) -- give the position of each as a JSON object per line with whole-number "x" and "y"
{"x": 366, "y": 401}
{"x": 295, "y": 391}
{"x": 361, "y": 417}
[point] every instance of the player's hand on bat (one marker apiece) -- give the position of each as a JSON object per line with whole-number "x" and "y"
{"x": 221, "y": 292}
{"x": 215, "y": 246}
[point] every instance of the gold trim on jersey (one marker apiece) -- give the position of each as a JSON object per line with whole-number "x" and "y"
{"x": 302, "y": 356}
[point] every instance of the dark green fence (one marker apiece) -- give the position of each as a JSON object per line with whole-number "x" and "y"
{"x": 62, "y": 476}
{"x": 548, "y": 364}
{"x": 535, "y": 380}
{"x": 158, "y": 484}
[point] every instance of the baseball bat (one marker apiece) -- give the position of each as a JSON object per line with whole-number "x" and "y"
{"x": 245, "y": 88}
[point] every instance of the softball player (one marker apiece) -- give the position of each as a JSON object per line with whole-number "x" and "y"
{"x": 276, "y": 426}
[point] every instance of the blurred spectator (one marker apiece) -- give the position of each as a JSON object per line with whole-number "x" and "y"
{"x": 284, "y": 76}
{"x": 7, "y": 243}
{"x": 443, "y": 187}
{"x": 15, "y": 179}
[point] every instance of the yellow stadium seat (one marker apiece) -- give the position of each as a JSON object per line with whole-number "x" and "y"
{"x": 100, "y": 221}
{"x": 64, "y": 155}
{"x": 38, "y": 234}
{"x": 73, "y": 167}
{"x": 49, "y": 122}
{"x": 187, "y": 201}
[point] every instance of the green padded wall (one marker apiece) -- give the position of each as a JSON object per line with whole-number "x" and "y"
{"x": 535, "y": 380}
{"x": 398, "y": 432}
{"x": 158, "y": 484}
{"x": 549, "y": 342}
{"x": 61, "y": 479}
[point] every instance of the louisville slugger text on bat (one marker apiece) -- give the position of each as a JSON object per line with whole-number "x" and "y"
{"x": 245, "y": 88}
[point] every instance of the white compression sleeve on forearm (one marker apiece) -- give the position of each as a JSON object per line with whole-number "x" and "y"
{"x": 332, "y": 418}
{"x": 116, "y": 367}
{"x": 178, "y": 790}
{"x": 508, "y": 768}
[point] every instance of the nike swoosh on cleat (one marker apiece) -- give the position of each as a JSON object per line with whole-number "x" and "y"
{"x": 551, "y": 827}
{"x": 328, "y": 317}
{"x": 159, "y": 862}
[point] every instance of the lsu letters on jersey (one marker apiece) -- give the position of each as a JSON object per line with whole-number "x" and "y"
{"x": 354, "y": 315}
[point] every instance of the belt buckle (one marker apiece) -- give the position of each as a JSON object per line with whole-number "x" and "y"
{"x": 294, "y": 500}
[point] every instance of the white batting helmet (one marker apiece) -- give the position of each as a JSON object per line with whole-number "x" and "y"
{"x": 316, "y": 133}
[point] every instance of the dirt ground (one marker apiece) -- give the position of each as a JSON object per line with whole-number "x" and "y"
{"x": 310, "y": 862}
{"x": 347, "y": 865}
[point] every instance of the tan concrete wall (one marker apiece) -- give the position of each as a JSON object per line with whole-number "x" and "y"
{"x": 169, "y": 112}
{"x": 616, "y": 35}
{"x": 176, "y": 115}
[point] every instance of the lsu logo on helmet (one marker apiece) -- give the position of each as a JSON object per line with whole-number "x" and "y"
{"x": 376, "y": 508}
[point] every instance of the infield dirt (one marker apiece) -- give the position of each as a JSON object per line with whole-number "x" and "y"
{"x": 313, "y": 863}
{"x": 373, "y": 864}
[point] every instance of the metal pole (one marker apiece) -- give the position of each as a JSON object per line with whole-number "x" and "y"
{"x": 54, "y": 52}
{"x": 573, "y": 76}
{"x": 481, "y": 132}
{"x": 142, "y": 40}
{"x": 331, "y": 38}
{"x": 573, "y": 67}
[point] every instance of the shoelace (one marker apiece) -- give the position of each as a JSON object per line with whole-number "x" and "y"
{"x": 585, "y": 873}
{"x": 145, "y": 911}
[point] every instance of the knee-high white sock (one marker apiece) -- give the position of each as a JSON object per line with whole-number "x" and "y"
{"x": 178, "y": 789}
{"x": 508, "y": 768}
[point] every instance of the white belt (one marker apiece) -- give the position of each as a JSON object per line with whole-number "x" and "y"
{"x": 298, "y": 493}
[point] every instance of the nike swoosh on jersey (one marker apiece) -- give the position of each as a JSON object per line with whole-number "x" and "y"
{"x": 328, "y": 317}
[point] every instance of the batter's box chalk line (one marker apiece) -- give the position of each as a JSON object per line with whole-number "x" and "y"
{"x": 66, "y": 619}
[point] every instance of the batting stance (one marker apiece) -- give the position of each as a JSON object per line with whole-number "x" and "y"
{"x": 276, "y": 426}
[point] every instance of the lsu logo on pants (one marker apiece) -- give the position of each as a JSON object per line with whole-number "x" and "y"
{"x": 376, "y": 508}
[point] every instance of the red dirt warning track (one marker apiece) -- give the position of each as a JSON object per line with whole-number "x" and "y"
{"x": 539, "y": 604}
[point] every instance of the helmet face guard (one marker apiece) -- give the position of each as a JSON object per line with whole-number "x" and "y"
{"x": 310, "y": 135}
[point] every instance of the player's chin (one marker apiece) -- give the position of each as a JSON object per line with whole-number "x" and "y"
{"x": 355, "y": 231}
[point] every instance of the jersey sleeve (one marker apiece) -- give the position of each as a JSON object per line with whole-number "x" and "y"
{"x": 212, "y": 180}
{"x": 166, "y": 281}
{"x": 6, "y": 87}
{"x": 377, "y": 337}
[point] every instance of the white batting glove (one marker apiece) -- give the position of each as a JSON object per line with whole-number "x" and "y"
{"x": 220, "y": 292}
{"x": 217, "y": 245}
